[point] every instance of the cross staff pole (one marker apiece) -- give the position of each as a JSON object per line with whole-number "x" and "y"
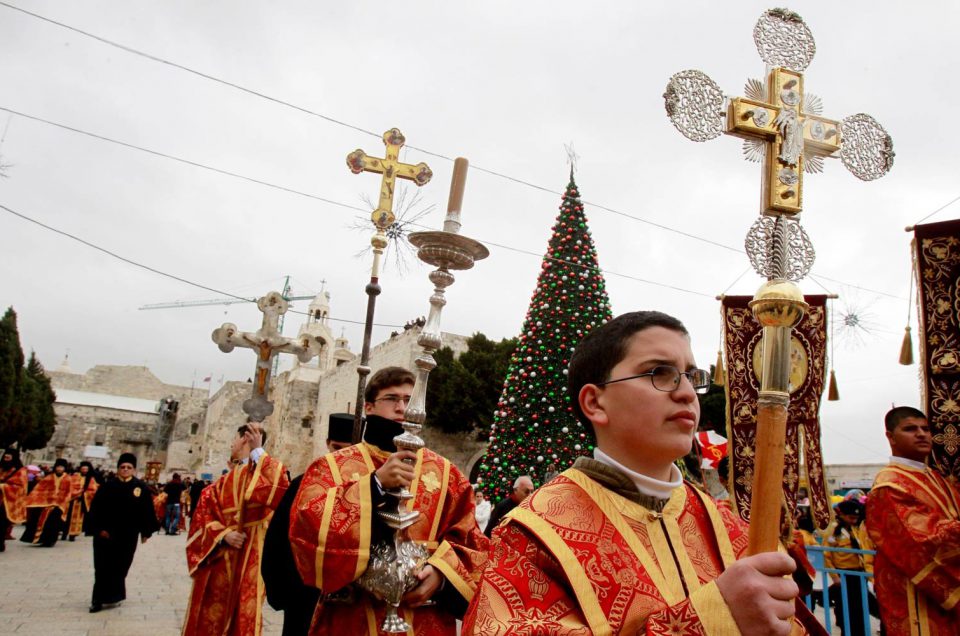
{"x": 390, "y": 167}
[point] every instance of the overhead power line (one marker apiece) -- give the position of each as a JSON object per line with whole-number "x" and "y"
{"x": 340, "y": 203}
{"x": 365, "y": 131}
{"x": 154, "y": 270}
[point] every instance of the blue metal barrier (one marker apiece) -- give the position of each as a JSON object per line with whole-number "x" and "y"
{"x": 815, "y": 554}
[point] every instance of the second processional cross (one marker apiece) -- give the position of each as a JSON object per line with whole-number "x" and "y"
{"x": 383, "y": 217}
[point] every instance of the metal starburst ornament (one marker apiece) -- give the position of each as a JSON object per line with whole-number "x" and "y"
{"x": 855, "y": 323}
{"x": 409, "y": 215}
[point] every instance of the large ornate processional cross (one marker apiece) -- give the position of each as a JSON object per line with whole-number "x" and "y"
{"x": 781, "y": 126}
{"x": 267, "y": 342}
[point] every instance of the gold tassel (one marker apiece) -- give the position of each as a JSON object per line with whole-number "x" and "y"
{"x": 833, "y": 394}
{"x": 719, "y": 377}
{"x": 906, "y": 349}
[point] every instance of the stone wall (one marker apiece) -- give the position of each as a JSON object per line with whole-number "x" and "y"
{"x": 293, "y": 423}
{"x": 116, "y": 429}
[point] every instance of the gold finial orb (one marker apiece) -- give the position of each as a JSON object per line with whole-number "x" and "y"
{"x": 778, "y": 303}
{"x": 379, "y": 241}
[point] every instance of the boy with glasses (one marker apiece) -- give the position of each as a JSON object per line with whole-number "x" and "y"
{"x": 619, "y": 543}
{"x": 333, "y": 523}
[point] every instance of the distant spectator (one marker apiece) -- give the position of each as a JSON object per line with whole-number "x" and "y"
{"x": 482, "y": 511}
{"x": 522, "y": 488}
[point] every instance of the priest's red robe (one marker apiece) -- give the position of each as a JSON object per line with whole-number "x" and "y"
{"x": 227, "y": 594}
{"x": 86, "y": 487}
{"x": 47, "y": 506}
{"x": 13, "y": 489}
{"x": 577, "y": 558}
{"x": 913, "y": 518}
{"x": 330, "y": 533}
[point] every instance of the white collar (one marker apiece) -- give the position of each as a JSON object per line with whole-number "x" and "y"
{"x": 646, "y": 485}
{"x": 910, "y": 463}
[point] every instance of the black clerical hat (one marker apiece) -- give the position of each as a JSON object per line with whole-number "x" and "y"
{"x": 127, "y": 458}
{"x": 341, "y": 428}
{"x": 60, "y": 462}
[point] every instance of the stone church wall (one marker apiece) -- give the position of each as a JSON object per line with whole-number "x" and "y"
{"x": 116, "y": 429}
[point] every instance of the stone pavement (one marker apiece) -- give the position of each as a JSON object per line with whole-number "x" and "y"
{"x": 46, "y": 591}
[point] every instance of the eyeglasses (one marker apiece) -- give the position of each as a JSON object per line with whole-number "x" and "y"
{"x": 666, "y": 378}
{"x": 394, "y": 399}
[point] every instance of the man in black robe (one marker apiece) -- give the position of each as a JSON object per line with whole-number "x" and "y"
{"x": 522, "y": 488}
{"x": 285, "y": 589}
{"x": 121, "y": 510}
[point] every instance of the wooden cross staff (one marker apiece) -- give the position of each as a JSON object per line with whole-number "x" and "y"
{"x": 267, "y": 342}
{"x": 780, "y": 125}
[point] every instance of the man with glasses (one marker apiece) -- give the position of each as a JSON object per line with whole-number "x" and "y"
{"x": 333, "y": 525}
{"x": 619, "y": 543}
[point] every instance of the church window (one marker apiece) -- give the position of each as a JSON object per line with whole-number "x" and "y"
{"x": 194, "y": 428}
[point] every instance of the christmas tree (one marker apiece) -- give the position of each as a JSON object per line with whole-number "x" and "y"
{"x": 534, "y": 423}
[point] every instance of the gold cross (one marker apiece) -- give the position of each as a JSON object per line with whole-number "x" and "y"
{"x": 391, "y": 168}
{"x": 430, "y": 482}
{"x": 787, "y": 132}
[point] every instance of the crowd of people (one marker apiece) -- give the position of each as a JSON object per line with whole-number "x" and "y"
{"x": 618, "y": 542}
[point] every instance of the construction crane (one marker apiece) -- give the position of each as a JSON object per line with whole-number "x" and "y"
{"x": 180, "y": 304}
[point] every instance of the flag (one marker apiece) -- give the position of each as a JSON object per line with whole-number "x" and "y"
{"x": 208, "y": 378}
{"x": 742, "y": 338}
{"x": 714, "y": 448}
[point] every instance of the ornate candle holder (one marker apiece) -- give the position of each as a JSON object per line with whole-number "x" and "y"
{"x": 393, "y": 566}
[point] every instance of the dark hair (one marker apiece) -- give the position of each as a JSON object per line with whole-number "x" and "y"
{"x": 385, "y": 378}
{"x": 604, "y": 348}
{"x": 899, "y": 413}
{"x": 243, "y": 429}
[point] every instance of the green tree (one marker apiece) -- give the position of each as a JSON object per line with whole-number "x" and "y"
{"x": 533, "y": 421}
{"x": 40, "y": 420}
{"x": 463, "y": 392}
{"x": 11, "y": 379}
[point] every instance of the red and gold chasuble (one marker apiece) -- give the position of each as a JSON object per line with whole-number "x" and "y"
{"x": 13, "y": 488}
{"x": 52, "y": 492}
{"x": 227, "y": 594}
{"x": 331, "y": 523}
{"x": 913, "y": 517}
{"x": 578, "y": 558}
{"x": 160, "y": 508}
{"x": 82, "y": 495}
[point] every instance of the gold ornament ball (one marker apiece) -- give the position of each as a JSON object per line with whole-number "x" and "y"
{"x": 778, "y": 303}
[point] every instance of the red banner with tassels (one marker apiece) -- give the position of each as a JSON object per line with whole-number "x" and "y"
{"x": 742, "y": 337}
{"x": 937, "y": 254}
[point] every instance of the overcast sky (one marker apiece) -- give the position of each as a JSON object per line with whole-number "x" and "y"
{"x": 505, "y": 84}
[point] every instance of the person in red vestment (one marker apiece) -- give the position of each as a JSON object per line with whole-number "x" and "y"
{"x": 47, "y": 506}
{"x": 226, "y": 540}
{"x": 619, "y": 543}
{"x": 86, "y": 487}
{"x": 13, "y": 493}
{"x": 913, "y": 519}
{"x": 333, "y": 523}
